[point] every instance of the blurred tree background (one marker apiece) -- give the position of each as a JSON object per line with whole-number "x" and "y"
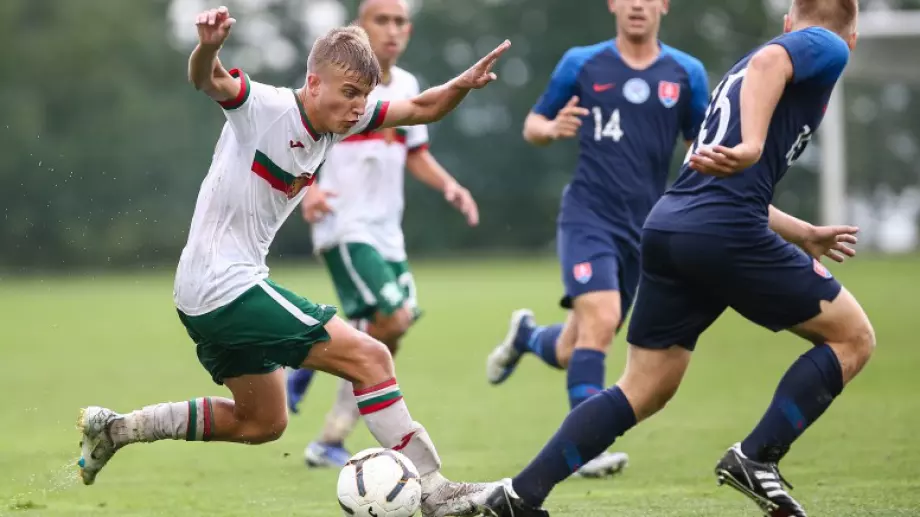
{"x": 105, "y": 143}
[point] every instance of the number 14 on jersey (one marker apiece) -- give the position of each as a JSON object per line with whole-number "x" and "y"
{"x": 611, "y": 129}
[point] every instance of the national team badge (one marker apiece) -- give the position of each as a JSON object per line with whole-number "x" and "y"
{"x": 821, "y": 270}
{"x": 668, "y": 93}
{"x": 582, "y": 272}
{"x": 636, "y": 90}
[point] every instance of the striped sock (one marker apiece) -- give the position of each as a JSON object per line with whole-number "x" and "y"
{"x": 388, "y": 419}
{"x": 200, "y": 418}
{"x": 191, "y": 420}
{"x": 379, "y": 397}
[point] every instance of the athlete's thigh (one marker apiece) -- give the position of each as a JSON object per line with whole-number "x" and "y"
{"x": 671, "y": 307}
{"x": 775, "y": 284}
{"x": 364, "y": 281}
{"x": 350, "y": 354}
{"x": 588, "y": 258}
{"x": 262, "y": 330}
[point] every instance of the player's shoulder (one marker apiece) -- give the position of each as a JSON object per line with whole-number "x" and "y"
{"x": 817, "y": 54}
{"x": 690, "y": 63}
{"x": 579, "y": 55}
{"x": 814, "y": 36}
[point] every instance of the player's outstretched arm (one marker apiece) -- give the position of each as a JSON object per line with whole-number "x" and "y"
{"x": 434, "y": 103}
{"x": 768, "y": 72}
{"x": 204, "y": 69}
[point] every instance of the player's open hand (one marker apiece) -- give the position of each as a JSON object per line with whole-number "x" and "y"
{"x": 724, "y": 161}
{"x": 833, "y": 242}
{"x": 463, "y": 201}
{"x": 568, "y": 120}
{"x": 316, "y": 205}
{"x": 214, "y": 26}
{"x": 481, "y": 73}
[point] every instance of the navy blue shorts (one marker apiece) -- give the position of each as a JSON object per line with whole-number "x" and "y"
{"x": 595, "y": 260}
{"x": 688, "y": 280}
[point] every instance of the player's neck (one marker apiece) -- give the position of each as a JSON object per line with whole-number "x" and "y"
{"x": 312, "y": 113}
{"x": 638, "y": 54}
{"x": 386, "y": 72}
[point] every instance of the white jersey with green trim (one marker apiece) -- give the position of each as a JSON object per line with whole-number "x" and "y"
{"x": 366, "y": 172}
{"x": 268, "y": 153}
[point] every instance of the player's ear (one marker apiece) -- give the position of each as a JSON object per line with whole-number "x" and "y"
{"x": 313, "y": 83}
{"x": 612, "y": 5}
{"x": 787, "y": 24}
{"x": 666, "y": 6}
{"x": 851, "y": 41}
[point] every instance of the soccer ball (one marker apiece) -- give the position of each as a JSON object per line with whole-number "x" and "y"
{"x": 379, "y": 483}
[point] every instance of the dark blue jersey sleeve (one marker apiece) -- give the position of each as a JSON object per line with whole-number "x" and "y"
{"x": 562, "y": 85}
{"x": 818, "y": 55}
{"x": 699, "y": 95}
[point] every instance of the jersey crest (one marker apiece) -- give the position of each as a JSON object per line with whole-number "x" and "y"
{"x": 668, "y": 93}
{"x": 582, "y": 272}
{"x": 821, "y": 270}
{"x": 636, "y": 90}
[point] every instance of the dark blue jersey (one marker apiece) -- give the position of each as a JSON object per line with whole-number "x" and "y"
{"x": 737, "y": 204}
{"x": 627, "y": 141}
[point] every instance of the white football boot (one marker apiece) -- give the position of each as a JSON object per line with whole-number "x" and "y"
{"x": 97, "y": 446}
{"x": 442, "y": 497}
{"x": 604, "y": 465}
{"x": 504, "y": 358}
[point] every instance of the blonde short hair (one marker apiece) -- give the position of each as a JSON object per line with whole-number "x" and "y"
{"x": 835, "y": 15}
{"x": 347, "y": 48}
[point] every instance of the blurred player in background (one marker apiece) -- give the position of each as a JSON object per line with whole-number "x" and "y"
{"x": 715, "y": 241}
{"x": 246, "y": 327}
{"x": 356, "y": 214}
{"x": 626, "y": 100}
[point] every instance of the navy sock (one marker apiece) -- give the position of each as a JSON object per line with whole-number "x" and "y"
{"x": 585, "y": 375}
{"x": 804, "y": 393}
{"x": 300, "y": 381}
{"x": 540, "y": 341}
{"x": 587, "y": 431}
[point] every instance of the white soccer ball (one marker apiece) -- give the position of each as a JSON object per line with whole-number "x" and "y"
{"x": 379, "y": 483}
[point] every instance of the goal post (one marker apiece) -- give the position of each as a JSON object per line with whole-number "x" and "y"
{"x": 879, "y": 32}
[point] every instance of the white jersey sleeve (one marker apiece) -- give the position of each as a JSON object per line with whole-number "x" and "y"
{"x": 416, "y": 136}
{"x": 374, "y": 113}
{"x": 255, "y": 109}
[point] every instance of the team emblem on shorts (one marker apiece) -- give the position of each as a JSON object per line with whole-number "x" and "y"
{"x": 668, "y": 93}
{"x": 821, "y": 270}
{"x": 636, "y": 90}
{"x": 582, "y": 272}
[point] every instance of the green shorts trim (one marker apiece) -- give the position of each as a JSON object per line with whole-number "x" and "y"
{"x": 366, "y": 283}
{"x": 265, "y": 328}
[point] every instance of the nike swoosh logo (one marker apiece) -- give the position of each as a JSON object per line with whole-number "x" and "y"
{"x": 602, "y": 87}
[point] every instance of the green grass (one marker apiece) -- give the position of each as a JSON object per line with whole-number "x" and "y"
{"x": 115, "y": 341}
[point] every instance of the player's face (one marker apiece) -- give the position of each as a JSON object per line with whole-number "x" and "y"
{"x": 340, "y": 96}
{"x": 638, "y": 19}
{"x": 388, "y": 27}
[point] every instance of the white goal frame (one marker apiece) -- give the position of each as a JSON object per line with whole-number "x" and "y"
{"x": 832, "y": 183}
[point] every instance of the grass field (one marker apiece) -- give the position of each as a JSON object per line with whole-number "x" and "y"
{"x": 115, "y": 341}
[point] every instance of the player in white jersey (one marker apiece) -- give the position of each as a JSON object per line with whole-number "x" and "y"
{"x": 356, "y": 210}
{"x": 247, "y": 328}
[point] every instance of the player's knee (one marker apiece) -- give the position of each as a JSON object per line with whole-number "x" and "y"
{"x": 394, "y": 326}
{"x": 647, "y": 398}
{"x": 861, "y": 342}
{"x": 264, "y": 428}
{"x": 597, "y": 328}
{"x": 372, "y": 362}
